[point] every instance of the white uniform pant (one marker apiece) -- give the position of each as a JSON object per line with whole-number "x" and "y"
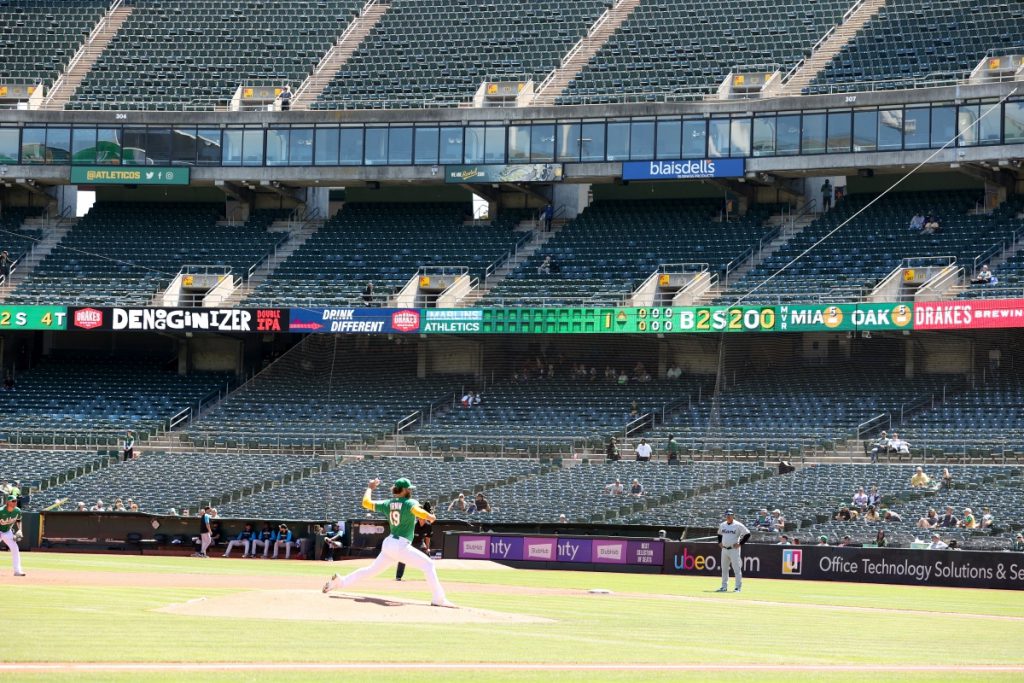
{"x": 731, "y": 558}
{"x": 204, "y": 542}
{"x": 232, "y": 544}
{"x": 393, "y": 551}
{"x": 260, "y": 544}
{"x": 287, "y": 549}
{"x": 12, "y": 545}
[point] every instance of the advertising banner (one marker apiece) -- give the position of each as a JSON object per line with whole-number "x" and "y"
{"x": 571, "y": 550}
{"x": 178, "y": 319}
{"x": 843, "y": 317}
{"x": 452, "y": 320}
{"x": 978, "y": 314}
{"x": 130, "y": 175}
{"x": 683, "y": 169}
{"x": 355, "y": 320}
{"x": 965, "y": 569}
{"x": 503, "y": 173}
{"x": 33, "y": 317}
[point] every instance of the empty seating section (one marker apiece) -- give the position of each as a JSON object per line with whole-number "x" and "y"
{"x": 852, "y": 261}
{"x": 325, "y": 393}
{"x": 158, "y": 482}
{"x": 798, "y": 407}
{"x": 579, "y": 492}
{"x": 385, "y": 244}
{"x": 194, "y": 54}
{"x": 1010, "y": 273}
{"x": 915, "y": 40}
{"x": 89, "y": 400}
{"x": 336, "y": 495}
{"x": 672, "y": 49}
{"x": 122, "y": 254}
{"x": 614, "y": 246}
{"x": 437, "y": 53}
{"x": 36, "y": 467}
{"x": 39, "y": 37}
{"x": 978, "y": 424}
{"x": 552, "y": 412}
{"x": 16, "y": 239}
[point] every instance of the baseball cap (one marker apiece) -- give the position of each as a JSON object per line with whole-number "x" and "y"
{"x": 10, "y": 498}
{"x": 728, "y": 512}
{"x": 404, "y": 483}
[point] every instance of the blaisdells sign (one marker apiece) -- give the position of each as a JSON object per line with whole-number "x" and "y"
{"x": 503, "y": 173}
{"x": 33, "y": 317}
{"x": 356, "y": 320}
{"x": 179, "y": 319}
{"x": 683, "y": 169}
{"x": 130, "y": 175}
{"x": 978, "y": 314}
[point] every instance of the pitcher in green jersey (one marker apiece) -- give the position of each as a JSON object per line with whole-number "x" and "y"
{"x": 10, "y": 525}
{"x": 402, "y": 511}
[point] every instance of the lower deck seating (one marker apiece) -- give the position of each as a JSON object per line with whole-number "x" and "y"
{"x": 37, "y": 467}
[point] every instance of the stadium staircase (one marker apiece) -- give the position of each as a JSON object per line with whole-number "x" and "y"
{"x": 53, "y": 233}
{"x": 339, "y": 54}
{"x": 81, "y": 64}
{"x": 540, "y": 238}
{"x": 299, "y": 232}
{"x": 801, "y": 76}
{"x": 581, "y": 53}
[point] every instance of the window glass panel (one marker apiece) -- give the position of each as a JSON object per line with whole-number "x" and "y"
{"x": 327, "y": 146}
{"x": 669, "y": 139}
{"x": 812, "y": 140}
{"x": 134, "y": 147}
{"x": 108, "y": 146}
{"x": 451, "y": 145}
{"x": 232, "y": 147}
{"x": 990, "y": 128}
{"x": 400, "y": 146}
{"x": 764, "y": 136}
{"x": 568, "y": 142}
{"x": 542, "y": 142}
{"x": 1014, "y": 122}
{"x": 943, "y": 125}
{"x": 277, "y": 146}
{"x": 695, "y": 134}
{"x": 83, "y": 146}
{"x": 58, "y": 145}
{"x": 351, "y": 146}
{"x": 426, "y": 145}
{"x": 592, "y": 141}
{"x": 618, "y": 141}
{"x": 183, "y": 147}
{"x": 890, "y": 129}
{"x": 967, "y": 115}
{"x": 787, "y": 135}
{"x": 865, "y": 131}
{"x": 518, "y": 143}
{"x": 718, "y": 138}
{"x": 376, "y": 151}
{"x": 252, "y": 147}
{"x": 9, "y": 145}
{"x": 158, "y": 146}
{"x": 917, "y": 128}
{"x": 209, "y": 146}
{"x": 33, "y": 145}
{"x": 839, "y": 133}
{"x": 641, "y": 140}
{"x": 300, "y": 148}
{"x": 474, "y": 145}
{"x": 739, "y": 139}
{"x": 494, "y": 145}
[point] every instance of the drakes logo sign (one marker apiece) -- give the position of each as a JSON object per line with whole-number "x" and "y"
{"x": 405, "y": 321}
{"x": 88, "y": 318}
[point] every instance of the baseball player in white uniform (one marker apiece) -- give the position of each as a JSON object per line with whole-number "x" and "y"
{"x": 731, "y": 535}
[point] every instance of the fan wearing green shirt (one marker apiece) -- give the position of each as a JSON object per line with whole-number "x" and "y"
{"x": 10, "y": 530}
{"x": 402, "y": 511}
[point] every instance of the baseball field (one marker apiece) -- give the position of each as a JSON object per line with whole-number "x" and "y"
{"x": 103, "y": 618}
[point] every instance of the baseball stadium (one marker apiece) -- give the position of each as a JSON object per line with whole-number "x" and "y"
{"x": 605, "y": 340}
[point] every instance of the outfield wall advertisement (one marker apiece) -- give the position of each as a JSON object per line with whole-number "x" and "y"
{"x": 561, "y": 549}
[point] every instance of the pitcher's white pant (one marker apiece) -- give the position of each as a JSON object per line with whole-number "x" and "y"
{"x": 731, "y": 557}
{"x": 232, "y": 544}
{"x": 393, "y": 551}
{"x": 12, "y": 545}
{"x": 287, "y": 549}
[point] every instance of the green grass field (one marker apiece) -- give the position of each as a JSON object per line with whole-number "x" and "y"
{"x": 94, "y": 608}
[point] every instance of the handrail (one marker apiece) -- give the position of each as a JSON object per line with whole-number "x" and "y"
{"x": 601, "y": 21}
{"x": 315, "y": 76}
{"x": 80, "y": 53}
{"x": 935, "y": 285}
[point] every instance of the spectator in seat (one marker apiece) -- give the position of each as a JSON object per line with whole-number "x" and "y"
{"x": 643, "y": 450}
{"x": 880, "y": 539}
{"x": 917, "y": 222}
{"x": 860, "y": 499}
{"x": 871, "y": 515}
{"x": 545, "y": 267}
{"x": 968, "y": 521}
{"x": 822, "y": 540}
{"x": 480, "y": 504}
{"x": 929, "y": 521}
{"x": 612, "y": 450}
{"x": 459, "y": 504}
{"x": 98, "y": 507}
{"x": 984, "y": 276}
{"x": 467, "y": 400}
{"x": 636, "y": 488}
{"x": 874, "y": 497}
{"x": 778, "y": 520}
{"x": 129, "y": 446}
{"x": 368, "y": 294}
{"x": 937, "y": 543}
{"x": 1017, "y": 545}
{"x": 987, "y": 520}
{"x": 5, "y": 265}
{"x": 845, "y": 514}
{"x": 615, "y": 488}
{"x": 785, "y": 467}
{"x": 932, "y": 225}
{"x": 898, "y": 445}
{"x": 846, "y": 542}
{"x": 80, "y": 506}
{"x": 949, "y": 520}
{"x": 947, "y": 479}
{"x": 763, "y": 520}
{"x": 881, "y": 445}
{"x": 920, "y": 480}
{"x": 891, "y": 516}
{"x": 634, "y": 410}
{"x": 562, "y": 519}
{"x": 623, "y": 378}
{"x": 672, "y": 448}
{"x": 783, "y": 540}
{"x": 286, "y": 98}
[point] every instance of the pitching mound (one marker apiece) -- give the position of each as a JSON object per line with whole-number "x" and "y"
{"x": 308, "y": 605}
